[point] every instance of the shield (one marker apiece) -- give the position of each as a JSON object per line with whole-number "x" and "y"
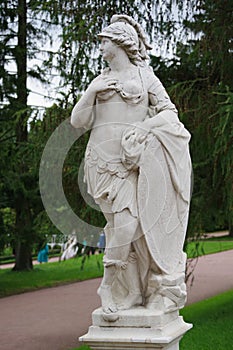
{"x": 163, "y": 208}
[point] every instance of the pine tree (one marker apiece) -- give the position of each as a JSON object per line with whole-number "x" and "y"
{"x": 19, "y": 181}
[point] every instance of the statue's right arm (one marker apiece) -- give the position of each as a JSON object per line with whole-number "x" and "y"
{"x": 81, "y": 116}
{"x": 82, "y": 112}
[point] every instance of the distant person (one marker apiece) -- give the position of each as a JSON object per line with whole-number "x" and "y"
{"x": 84, "y": 243}
{"x": 101, "y": 243}
{"x": 92, "y": 247}
{"x": 43, "y": 253}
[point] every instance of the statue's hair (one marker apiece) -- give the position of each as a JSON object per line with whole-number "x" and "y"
{"x": 128, "y": 34}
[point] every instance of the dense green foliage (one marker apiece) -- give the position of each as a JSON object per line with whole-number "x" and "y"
{"x": 198, "y": 77}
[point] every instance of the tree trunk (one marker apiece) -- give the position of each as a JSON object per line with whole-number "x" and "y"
{"x": 231, "y": 230}
{"x": 23, "y": 216}
{"x": 23, "y": 258}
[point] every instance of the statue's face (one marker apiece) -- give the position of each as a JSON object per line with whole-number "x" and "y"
{"x": 108, "y": 49}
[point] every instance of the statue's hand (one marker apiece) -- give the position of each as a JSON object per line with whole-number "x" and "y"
{"x": 101, "y": 84}
{"x": 138, "y": 134}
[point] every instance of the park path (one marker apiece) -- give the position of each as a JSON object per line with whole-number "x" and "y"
{"x": 54, "y": 318}
{"x": 35, "y": 262}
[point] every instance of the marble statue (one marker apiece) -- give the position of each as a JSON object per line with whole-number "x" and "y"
{"x": 138, "y": 170}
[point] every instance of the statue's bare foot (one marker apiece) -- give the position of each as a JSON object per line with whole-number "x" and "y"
{"x": 111, "y": 308}
{"x": 107, "y": 302}
{"x": 130, "y": 301}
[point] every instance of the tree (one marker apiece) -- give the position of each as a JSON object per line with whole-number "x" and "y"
{"x": 19, "y": 186}
{"x": 14, "y": 96}
{"x": 214, "y": 50}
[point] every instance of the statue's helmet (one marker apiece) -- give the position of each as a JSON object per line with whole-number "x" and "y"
{"x": 127, "y": 33}
{"x": 121, "y": 30}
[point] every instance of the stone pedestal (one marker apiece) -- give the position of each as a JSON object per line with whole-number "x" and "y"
{"x": 137, "y": 328}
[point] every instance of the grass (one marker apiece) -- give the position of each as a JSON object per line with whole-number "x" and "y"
{"x": 52, "y": 274}
{"x": 204, "y": 247}
{"x": 49, "y": 275}
{"x": 212, "y": 324}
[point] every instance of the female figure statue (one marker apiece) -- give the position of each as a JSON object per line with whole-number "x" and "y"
{"x": 138, "y": 169}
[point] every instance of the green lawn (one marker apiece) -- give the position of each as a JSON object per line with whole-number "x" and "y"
{"x": 212, "y": 324}
{"x": 194, "y": 249}
{"x": 52, "y": 274}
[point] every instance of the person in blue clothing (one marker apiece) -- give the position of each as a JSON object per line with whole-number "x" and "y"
{"x": 43, "y": 253}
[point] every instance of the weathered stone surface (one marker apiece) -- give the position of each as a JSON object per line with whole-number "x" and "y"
{"x": 121, "y": 338}
{"x": 134, "y": 317}
{"x": 138, "y": 170}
